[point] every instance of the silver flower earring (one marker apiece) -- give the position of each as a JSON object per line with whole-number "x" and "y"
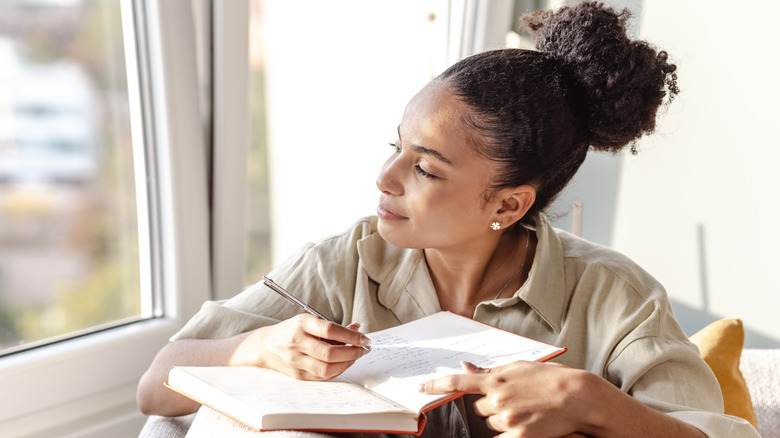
{"x": 495, "y": 226}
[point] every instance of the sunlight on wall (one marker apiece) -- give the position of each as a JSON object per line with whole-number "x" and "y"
{"x": 697, "y": 207}
{"x": 344, "y": 105}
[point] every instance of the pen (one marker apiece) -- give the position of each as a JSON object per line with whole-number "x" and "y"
{"x": 293, "y": 299}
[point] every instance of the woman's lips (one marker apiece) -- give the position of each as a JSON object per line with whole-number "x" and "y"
{"x": 386, "y": 214}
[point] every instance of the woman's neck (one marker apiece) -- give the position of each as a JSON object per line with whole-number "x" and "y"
{"x": 463, "y": 279}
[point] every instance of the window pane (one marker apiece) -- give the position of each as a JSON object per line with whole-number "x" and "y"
{"x": 69, "y": 241}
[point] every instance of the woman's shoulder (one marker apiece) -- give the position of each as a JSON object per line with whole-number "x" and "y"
{"x": 601, "y": 263}
{"x": 579, "y": 248}
{"x": 627, "y": 297}
{"x": 342, "y": 249}
{"x": 561, "y": 244}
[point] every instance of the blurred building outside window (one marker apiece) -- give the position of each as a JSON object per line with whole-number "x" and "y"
{"x": 69, "y": 240}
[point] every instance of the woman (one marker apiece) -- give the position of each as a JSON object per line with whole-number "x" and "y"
{"x": 481, "y": 151}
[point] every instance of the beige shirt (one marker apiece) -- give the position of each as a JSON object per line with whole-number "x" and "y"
{"x": 612, "y": 316}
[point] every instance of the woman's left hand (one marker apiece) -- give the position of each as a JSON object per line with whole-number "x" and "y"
{"x": 523, "y": 398}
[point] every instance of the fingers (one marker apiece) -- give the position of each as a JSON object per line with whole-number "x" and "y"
{"x": 330, "y": 331}
{"x": 304, "y": 347}
{"x": 458, "y": 382}
{"x": 323, "y": 349}
{"x": 465, "y": 383}
{"x": 484, "y": 407}
{"x": 473, "y": 369}
{"x": 513, "y": 401}
{"x": 307, "y": 368}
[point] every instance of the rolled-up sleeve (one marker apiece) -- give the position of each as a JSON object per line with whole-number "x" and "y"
{"x": 256, "y": 306}
{"x": 322, "y": 275}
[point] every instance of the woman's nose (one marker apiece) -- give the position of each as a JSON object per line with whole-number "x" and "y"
{"x": 387, "y": 181}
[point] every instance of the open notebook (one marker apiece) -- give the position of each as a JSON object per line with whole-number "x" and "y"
{"x": 377, "y": 394}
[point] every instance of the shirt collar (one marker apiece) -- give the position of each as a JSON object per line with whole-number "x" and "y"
{"x": 545, "y": 289}
{"x": 403, "y": 272}
{"x": 405, "y": 286}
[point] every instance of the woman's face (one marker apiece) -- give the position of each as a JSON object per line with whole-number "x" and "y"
{"x": 433, "y": 184}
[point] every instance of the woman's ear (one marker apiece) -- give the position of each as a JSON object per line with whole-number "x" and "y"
{"x": 516, "y": 203}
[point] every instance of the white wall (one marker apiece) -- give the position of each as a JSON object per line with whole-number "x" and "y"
{"x": 698, "y": 206}
{"x": 343, "y": 105}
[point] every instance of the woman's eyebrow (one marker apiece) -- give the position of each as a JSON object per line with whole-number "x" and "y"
{"x": 426, "y": 151}
{"x": 432, "y": 152}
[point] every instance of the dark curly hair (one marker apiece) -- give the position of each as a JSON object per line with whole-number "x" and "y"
{"x": 537, "y": 113}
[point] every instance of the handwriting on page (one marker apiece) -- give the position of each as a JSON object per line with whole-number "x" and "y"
{"x": 393, "y": 356}
{"x": 397, "y": 358}
{"x": 419, "y": 353}
{"x": 403, "y": 357}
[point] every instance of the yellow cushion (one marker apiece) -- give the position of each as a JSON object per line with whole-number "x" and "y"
{"x": 720, "y": 344}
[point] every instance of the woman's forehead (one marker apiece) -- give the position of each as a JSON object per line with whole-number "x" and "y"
{"x": 435, "y": 115}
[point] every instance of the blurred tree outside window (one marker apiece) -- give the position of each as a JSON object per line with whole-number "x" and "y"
{"x": 69, "y": 243}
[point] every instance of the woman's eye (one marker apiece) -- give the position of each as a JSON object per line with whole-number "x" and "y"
{"x": 423, "y": 173}
{"x": 417, "y": 168}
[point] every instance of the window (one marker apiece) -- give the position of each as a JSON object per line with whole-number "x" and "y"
{"x": 124, "y": 178}
{"x": 69, "y": 223}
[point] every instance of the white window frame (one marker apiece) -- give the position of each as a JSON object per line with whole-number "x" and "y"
{"x": 85, "y": 387}
{"x": 230, "y": 144}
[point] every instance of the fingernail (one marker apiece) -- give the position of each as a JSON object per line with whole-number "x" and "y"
{"x": 365, "y": 340}
{"x": 469, "y": 366}
{"x": 421, "y": 388}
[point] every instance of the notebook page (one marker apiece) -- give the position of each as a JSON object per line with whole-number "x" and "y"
{"x": 402, "y": 357}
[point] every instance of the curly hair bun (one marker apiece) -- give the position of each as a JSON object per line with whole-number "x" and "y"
{"x": 621, "y": 82}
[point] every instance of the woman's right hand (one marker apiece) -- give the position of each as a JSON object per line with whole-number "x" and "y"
{"x": 304, "y": 347}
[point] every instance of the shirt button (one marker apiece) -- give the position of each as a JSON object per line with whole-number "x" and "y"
{"x": 463, "y": 432}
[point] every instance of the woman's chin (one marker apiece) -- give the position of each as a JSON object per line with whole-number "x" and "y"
{"x": 392, "y": 234}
